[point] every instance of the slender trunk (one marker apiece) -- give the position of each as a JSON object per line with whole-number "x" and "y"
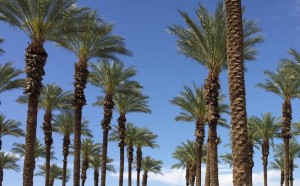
{"x": 291, "y": 172}
{"x": 96, "y": 177}
{"x": 265, "y": 154}
{"x": 236, "y": 80}
{"x": 66, "y": 143}
{"x": 1, "y": 176}
{"x": 107, "y": 106}
{"x": 130, "y": 160}
{"x": 286, "y": 126}
{"x": 251, "y": 163}
{"x": 0, "y": 141}
{"x": 192, "y": 174}
{"x": 81, "y": 75}
{"x": 122, "y": 134}
{"x": 47, "y": 127}
{"x": 51, "y": 182}
{"x": 85, "y": 165}
{"x": 187, "y": 176}
{"x": 199, "y": 140}
{"x": 35, "y": 57}
{"x": 139, "y": 156}
{"x": 207, "y": 172}
{"x": 145, "y": 177}
{"x": 281, "y": 178}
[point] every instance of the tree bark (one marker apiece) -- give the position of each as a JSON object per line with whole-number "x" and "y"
{"x": 286, "y": 126}
{"x": 108, "y": 107}
{"x": 81, "y": 75}
{"x": 265, "y": 154}
{"x": 85, "y": 165}
{"x": 192, "y": 174}
{"x": 207, "y": 171}
{"x": 96, "y": 177}
{"x": 281, "y": 178}
{"x": 236, "y": 80}
{"x": 122, "y": 135}
{"x": 251, "y": 164}
{"x": 1, "y": 176}
{"x": 130, "y": 160}
{"x": 35, "y": 58}
{"x": 200, "y": 134}
{"x": 291, "y": 172}
{"x": 187, "y": 176}
{"x": 66, "y": 143}
{"x": 51, "y": 182}
{"x": 47, "y": 127}
{"x": 145, "y": 177}
{"x": 139, "y": 156}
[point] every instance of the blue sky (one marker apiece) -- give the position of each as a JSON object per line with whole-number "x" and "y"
{"x": 163, "y": 71}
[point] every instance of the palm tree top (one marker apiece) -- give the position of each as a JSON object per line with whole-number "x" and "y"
{"x": 294, "y": 149}
{"x": 96, "y": 162}
{"x": 55, "y": 172}
{"x": 8, "y": 161}
{"x": 88, "y": 148}
{"x": 8, "y": 77}
{"x": 10, "y": 127}
{"x": 151, "y": 165}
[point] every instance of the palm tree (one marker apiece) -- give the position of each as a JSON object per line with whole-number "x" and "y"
{"x": 8, "y": 75}
{"x": 64, "y": 124}
{"x": 8, "y": 162}
{"x": 111, "y": 78}
{"x": 52, "y": 98}
{"x": 55, "y": 173}
{"x": 150, "y": 165}
{"x": 284, "y": 84}
{"x": 206, "y": 43}
{"x": 9, "y": 128}
{"x": 227, "y": 158}
{"x": 279, "y": 165}
{"x": 267, "y": 128}
{"x": 41, "y": 23}
{"x": 1, "y": 50}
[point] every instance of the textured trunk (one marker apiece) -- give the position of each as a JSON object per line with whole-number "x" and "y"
{"x": 236, "y": 80}
{"x": 85, "y": 165}
{"x": 291, "y": 172}
{"x": 139, "y": 156}
{"x": 207, "y": 172}
{"x": 51, "y": 182}
{"x": 187, "y": 176}
{"x": 81, "y": 75}
{"x": 286, "y": 126}
{"x": 0, "y": 141}
{"x": 107, "y": 106}
{"x": 122, "y": 131}
{"x": 199, "y": 140}
{"x": 47, "y": 127}
{"x": 130, "y": 160}
{"x": 35, "y": 57}
{"x": 145, "y": 177}
{"x": 251, "y": 163}
{"x": 281, "y": 178}
{"x": 265, "y": 154}
{"x": 1, "y": 176}
{"x": 192, "y": 174}
{"x": 96, "y": 177}
{"x": 66, "y": 143}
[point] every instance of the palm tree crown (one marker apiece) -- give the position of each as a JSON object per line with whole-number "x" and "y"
{"x": 8, "y": 77}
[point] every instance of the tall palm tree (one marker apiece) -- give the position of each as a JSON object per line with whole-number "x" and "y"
{"x": 110, "y": 78}
{"x": 52, "y": 98}
{"x": 8, "y": 77}
{"x": 9, "y": 128}
{"x": 206, "y": 43}
{"x": 64, "y": 124}
{"x": 8, "y": 162}
{"x": 55, "y": 173}
{"x": 279, "y": 165}
{"x": 284, "y": 84}
{"x": 150, "y": 165}
{"x": 41, "y": 20}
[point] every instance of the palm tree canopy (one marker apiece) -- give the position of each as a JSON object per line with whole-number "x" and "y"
{"x": 227, "y": 158}
{"x": 294, "y": 149}
{"x": 96, "y": 162}
{"x": 10, "y": 127}
{"x": 64, "y": 124}
{"x": 112, "y": 77}
{"x": 43, "y": 20}
{"x": 207, "y": 42}
{"x": 8, "y": 77}
{"x": 151, "y": 165}
{"x": 8, "y": 161}
{"x": 89, "y": 148}
{"x": 55, "y": 172}
{"x": 278, "y": 164}
{"x": 52, "y": 98}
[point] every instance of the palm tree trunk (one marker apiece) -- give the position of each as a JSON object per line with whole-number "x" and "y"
{"x": 192, "y": 174}
{"x": 1, "y": 176}
{"x": 207, "y": 172}
{"x": 145, "y": 177}
{"x": 51, "y": 182}
{"x": 81, "y": 75}
{"x": 66, "y": 143}
{"x": 130, "y": 160}
{"x": 47, "y": 127}
{"x": 199, "y": 139}
{"x": 291, "y": 172}
{"x": 239, "y": 133}
{"x": 96, "y": 177}
{"x": 122, "y": 131}
{"x": 35, "y": 57}
{"x": 187, "y": 175}
{"x": 108, "y": 107}
{"x": 281, "y": 178}
{"x": 85, "y": 165}
{"x": 265, "y": 154}
{"x": 0, "y": 141}
{"x": 286, "y": 126}
{"x": 251, "y": 164}
{"x": 139, "y": 156}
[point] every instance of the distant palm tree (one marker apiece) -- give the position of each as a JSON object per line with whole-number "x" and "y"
{"x": 110, "y": 78}
{"x": 279, "y": 165}
{"x": 8, "y": 162}
{"x": 1, "y": 50}
{"x": 9, "y": 128}
{"x": 41, "y": 23}
{"x": 8, "y": 77}
{"x": 150, "y": 165}
{"x": 55, "y": 173}
{"x": 64, "y": 125}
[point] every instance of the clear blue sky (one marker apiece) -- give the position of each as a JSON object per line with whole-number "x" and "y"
{"x": 163, "y": 71}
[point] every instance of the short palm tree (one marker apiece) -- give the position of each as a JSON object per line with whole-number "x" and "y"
{"x": 8, "y": 77}
{"x": 286, "y": 85}
{"x": 150, "y": 165}
{"x": 8, "y": 162}
{"x": 267, "y": 127}
{"x": 9, "y": 128}
{"x": 55, "y": 173}
{"x": 110, "y": 78}
{"x": 41, "y": 20}
{"x": 52, "y": 98}
{"x": 278, "y": 164}
{"x": 64, "y": 124}
{"x": 206, "y": 43}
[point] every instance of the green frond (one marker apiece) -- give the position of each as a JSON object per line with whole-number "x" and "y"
{"x": 10, "y": 127}
{"x": 9, "y": 162}
{"x": 9, "y": 78}
{"x": 56, "y": 172}
{"x": 151, "y": 165}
